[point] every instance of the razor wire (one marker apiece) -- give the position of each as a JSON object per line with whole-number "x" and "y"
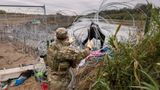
{"x": 24, "y": 24}
{"x": 98, "y": 18}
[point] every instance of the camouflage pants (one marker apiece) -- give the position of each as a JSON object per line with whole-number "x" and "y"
{"x": 58, "y": 81}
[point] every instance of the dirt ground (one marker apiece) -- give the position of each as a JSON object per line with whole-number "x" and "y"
{"x": 11, "y": 57}
{"x": 29, "y": 84}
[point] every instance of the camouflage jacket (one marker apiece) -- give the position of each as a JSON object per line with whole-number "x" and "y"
{"x": 61, "y": 56}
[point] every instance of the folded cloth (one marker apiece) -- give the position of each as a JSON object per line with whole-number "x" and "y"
{"x": 24, "y": 76}
{"x": 20, "y": 80}
{"x": 97, "y": 53}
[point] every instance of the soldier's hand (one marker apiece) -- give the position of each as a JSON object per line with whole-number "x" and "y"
{"x": 89, "y": 44}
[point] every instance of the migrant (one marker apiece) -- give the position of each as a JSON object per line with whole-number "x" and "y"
{"x": 95, "y": 32}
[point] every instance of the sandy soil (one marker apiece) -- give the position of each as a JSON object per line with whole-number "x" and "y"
{"x": 11, "y": 57}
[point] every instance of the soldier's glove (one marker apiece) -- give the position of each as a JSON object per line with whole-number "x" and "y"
{"x": 71, "y": 39}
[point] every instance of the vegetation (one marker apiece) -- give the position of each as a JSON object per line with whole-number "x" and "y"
{"x": 2, "y": 12}
{"x": 139, "y": 13}
{"x": 133, "y": 66}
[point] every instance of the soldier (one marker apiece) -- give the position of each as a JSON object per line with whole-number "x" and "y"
{"x": 60, "y": 58}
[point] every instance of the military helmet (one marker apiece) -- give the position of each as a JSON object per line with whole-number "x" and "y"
{"x": 61, "y": 33}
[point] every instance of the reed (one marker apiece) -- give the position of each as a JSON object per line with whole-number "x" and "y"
{"x": 133, "y": 67}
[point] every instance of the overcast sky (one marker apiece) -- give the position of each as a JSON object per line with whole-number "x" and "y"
{"x": 79, "y": 6}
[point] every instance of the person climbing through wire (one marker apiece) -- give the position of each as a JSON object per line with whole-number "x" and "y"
{"x": 95, "y": 32}
{"x": 61, "y": 59}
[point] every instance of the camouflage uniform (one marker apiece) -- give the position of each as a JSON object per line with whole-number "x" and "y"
{"x": 60, "y": 57}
